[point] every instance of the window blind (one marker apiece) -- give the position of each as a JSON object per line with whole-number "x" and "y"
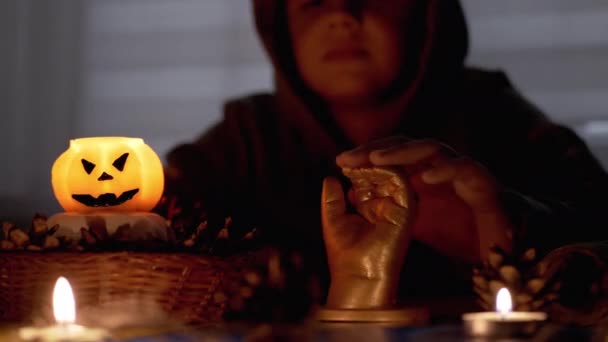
{"x": 160, "y": 69}
{"x": 555, "y": 52}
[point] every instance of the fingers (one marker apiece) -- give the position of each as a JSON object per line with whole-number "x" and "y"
{"x": 474, "y": 185}
{"x": 333, "y": 205}
{"x": 383, "y": 210}
{"x": 378, "y": 182}
{"x": 448, "y": 170}
{"x": 359, "y": 157}
{"x": 435, "y": 161}
{"x": 412, "y": 155}
{"x": 471, "y": 182}
{"x": 407, "y": 153}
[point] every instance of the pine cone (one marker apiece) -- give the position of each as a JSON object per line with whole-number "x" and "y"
{"x": 521, "y": 274}
{"x": 583, "y": 275}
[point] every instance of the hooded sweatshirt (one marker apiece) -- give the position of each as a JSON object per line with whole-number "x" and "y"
{"x": 264, "y": 162}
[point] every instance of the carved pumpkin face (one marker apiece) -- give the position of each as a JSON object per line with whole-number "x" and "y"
{"x": 108, "y": 173}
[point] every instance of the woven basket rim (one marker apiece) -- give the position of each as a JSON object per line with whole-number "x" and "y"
{"x": 184, "y": 284}
{"x": 128, "y": 252}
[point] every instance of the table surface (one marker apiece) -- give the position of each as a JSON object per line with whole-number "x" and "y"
{"x": 326, "y": 332}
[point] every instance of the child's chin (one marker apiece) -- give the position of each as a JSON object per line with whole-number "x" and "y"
{"x": 350, "y": 94}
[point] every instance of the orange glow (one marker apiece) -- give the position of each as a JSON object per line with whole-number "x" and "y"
{"x": 109, "y": 174}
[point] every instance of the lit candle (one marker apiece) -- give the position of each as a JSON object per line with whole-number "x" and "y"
{"x": 504, "y": 322}
{"x": 65, "y": 329}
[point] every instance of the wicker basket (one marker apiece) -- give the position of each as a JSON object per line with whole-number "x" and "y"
{"x": 186, "y": 286}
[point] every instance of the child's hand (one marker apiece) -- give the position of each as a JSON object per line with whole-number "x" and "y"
{"x": 459, "y": 212}
{"x": 365, "y": 252}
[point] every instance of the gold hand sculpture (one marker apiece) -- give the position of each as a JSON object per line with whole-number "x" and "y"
{"x": 366, "y": 250}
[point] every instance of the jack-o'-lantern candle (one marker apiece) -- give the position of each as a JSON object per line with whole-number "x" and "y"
{"x": 116, "y": 174}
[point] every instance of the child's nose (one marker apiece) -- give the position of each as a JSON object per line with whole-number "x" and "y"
{"x": 342, "y": 21}
{"x": 343, "y": 16}
{"x": 352, "y": 8}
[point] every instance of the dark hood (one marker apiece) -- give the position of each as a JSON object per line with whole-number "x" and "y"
{"x": 439, "y": 47}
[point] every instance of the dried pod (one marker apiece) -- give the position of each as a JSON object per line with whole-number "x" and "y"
{"x": 171, "y": 238}
{"x": 51, "y": 242}
{"x": 34, "y": 248}
{"x": 38, "y": 230}
{"x": 253, "y": 278}
{"x": 37, "y": 240}
{"x": 19, "y": 237}
{"x": 99, "y": 231}
{"x": 223, "y": 234}
{"x": 122, "y": 232}
{"x": 219, "y": 297}
{"x": 525, "y": 307}
{"x": 537, "y": 304}
{"x": 495, "y": 259}
{"x": 529, "y": 255}
{"x": 510, "y": 275}
{"x": 250, "y": 235}
{"x": 65, "y": 240}
{"x": 246, "y": 292}
{"x": 87, "y": 237}
{"x": 485, "y": 297}
{"x": 480, "y": 282}
{"x": 275, "y": 271}
{"x": 53, "y": 229}
{"x": 7, "y": 227}
{"x": 523, "y": 298}
{"x": 557, "y": 286}
{"x": 201, "y": 227}
{"x": 39, "y": 226}
{"x": 7, "y": 245}
{"x": 536, "y": 285}
{"x": 541, "y": 269}
{"x": 495, "y": 286}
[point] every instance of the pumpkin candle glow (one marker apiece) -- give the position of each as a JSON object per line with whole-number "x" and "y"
{"x": 110, "y": 185}
{"x": 117, "y": 174}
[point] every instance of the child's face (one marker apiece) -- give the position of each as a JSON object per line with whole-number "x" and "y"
{"x": 348, "y": 50}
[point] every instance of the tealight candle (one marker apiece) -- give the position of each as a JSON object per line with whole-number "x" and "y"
{"x": 65, "y": 330}
{"x": 504, "y": 322}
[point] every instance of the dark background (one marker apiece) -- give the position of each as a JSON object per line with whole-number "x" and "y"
{"x": 159, "y": 69}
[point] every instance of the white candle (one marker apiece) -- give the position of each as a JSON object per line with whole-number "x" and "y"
{"x": 65, "y": 329}
{"x": 504, "y": 322}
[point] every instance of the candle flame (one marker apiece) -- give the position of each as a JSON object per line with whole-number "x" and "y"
{"x": 64, "y": 306}
{"x": 504, "y": 305}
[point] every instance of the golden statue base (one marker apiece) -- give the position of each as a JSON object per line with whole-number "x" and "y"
{"x": 406, "y": 316}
